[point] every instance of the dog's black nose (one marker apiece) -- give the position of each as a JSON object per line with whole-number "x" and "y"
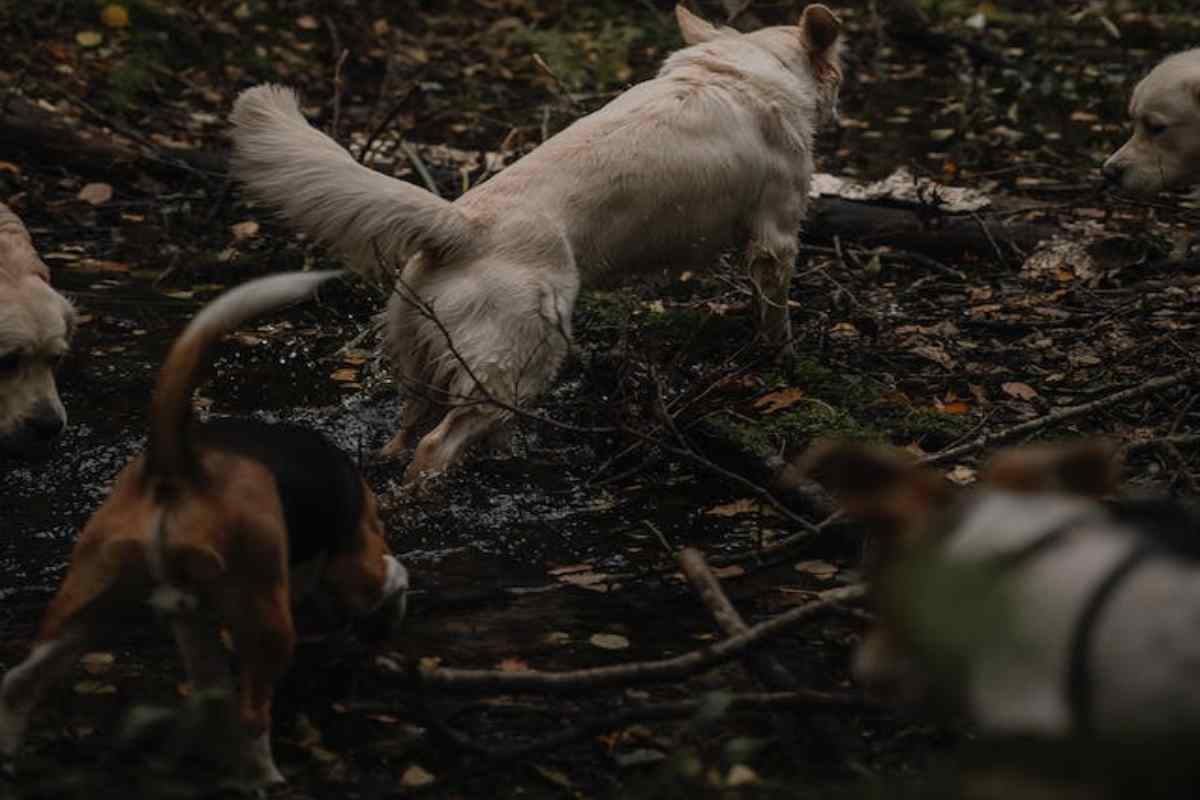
{"x": 1111, "y": 173}
{"x": 46, "y": 426}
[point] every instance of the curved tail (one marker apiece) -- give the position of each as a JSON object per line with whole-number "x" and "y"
{"x": 170, "y": 453}
{"x": 315, "y": 183}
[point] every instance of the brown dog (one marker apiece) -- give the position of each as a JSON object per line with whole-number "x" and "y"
{"x": 714, "y": 153}
{"x": 215, "y": 523}
{"x": 36, "y": 326}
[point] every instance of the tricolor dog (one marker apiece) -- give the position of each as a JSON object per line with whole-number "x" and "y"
{"x": 714, "y": 153}
{"x": 36, "y": 326}
{"x": 213, "y": 524}
{"x": 1164, "y": 150}
{"x": 1025, "y": 601}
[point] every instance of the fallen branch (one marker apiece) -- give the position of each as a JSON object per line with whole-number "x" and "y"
{"x": 763, "y": 666}
{"x": 483, "y": 681}
{"x": 1060, "y": 415}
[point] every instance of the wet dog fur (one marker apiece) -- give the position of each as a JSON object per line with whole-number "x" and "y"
{"x": 715, "y": 152}
{"x": 36, "y": 326}
{"x": 215, "y": 524}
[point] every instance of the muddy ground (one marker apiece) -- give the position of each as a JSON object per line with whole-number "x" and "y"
{"x": 558, "y": 556}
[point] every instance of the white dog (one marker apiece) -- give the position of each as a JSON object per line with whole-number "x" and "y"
{"x": 1164, "y": 151}
{"x": 1026, "y": 602}
{"x": 714, "y": 152}
{"x": 36, "y": 325}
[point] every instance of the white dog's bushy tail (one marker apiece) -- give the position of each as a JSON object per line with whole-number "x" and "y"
{"x": 169, "y": 453}
{"x": 315, "y": 183}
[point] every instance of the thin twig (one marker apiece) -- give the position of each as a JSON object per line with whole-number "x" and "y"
{"x": 1060, "y": 415}
{"x": 562, "y": 89}
{"x": 418, "y": 163}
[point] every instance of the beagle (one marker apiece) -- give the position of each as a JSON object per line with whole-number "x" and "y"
{"x": 214, "y": 524}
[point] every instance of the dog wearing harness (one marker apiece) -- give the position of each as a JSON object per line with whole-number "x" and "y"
{"x": 1026, "y": 602}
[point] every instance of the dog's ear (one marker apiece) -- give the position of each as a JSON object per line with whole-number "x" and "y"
{"x": 878, "y": 485}
{"x": 819, "y": 27}
{"x": 696, "y": 30}
{"x": 1084, "y": 468}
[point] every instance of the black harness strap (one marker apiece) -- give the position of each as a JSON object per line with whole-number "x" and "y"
{"x": 1079, "y": 678}
{"x": 1014, "y": 559}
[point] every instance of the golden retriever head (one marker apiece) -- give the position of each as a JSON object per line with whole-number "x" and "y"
{"x": 36, "y": 326}
{"x": 1164, "y": 150}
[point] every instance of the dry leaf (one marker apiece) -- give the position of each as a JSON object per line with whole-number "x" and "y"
{"x": 592, "y": 581}
{"x": 244, "y": 230}
{"x": 307, "y": 22}
{"x": 569, "y": 568}
{"x": 744, "y": 506}
{"x": 98, "y": 265}
{"x": 609, "y": 641}
{"x": 345, "y": 374}
{"x": 741, "y": 775}
{"x": 817, "y": 568}
{"x": 935, "y": 353}
{"x": 512, "y": 665}
{"x": 94, "y": 687}
{"x": 96, "y": 193}
{"x": 115, "y": 15}
{"x": 953, "y": 407}
{"x": 1021, "y": 391}
{"x": 962, "y": 475}
{"x": 776, "y": 401}
{"x": 97, "y": 663}
{"x": 557, "y": 638}
{"x": 89, "y": 38}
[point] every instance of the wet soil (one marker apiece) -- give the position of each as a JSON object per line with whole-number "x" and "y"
{"x": 887, "y": 351}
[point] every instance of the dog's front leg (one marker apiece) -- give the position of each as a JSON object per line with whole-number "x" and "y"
{"x": 23, "y": 686}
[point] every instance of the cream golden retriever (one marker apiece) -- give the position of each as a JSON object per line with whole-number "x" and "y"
{"x": 1164, "y": 151}
{"x": 36, "y": 325}
{"x": 715, "y": 152}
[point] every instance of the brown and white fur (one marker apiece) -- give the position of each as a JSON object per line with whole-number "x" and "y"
{"x": 1164, "y": 150}
{"x": 36, "y": 326}
{"x": 715, "y": 152}
{"x": 214, "y": 524}
{"x": 1025, "y": 602}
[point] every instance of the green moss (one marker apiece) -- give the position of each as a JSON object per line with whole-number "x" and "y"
{"x": 929, "y": 426}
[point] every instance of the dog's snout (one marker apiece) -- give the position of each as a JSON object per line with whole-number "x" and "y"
{"x": 1111, "y": 172}
{"x": 46, "y": 424}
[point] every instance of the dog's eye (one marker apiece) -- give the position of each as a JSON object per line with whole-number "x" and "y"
{"x": 9, "y": 363}
{"x": 1154, "y": 128}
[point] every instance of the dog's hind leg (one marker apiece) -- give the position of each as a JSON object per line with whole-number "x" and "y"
{"x": 264, "y": 636}
{"x": 771, "y": 258}
{"x": 444, "y": 445}
{"x": 48, "y": 661}
{"x": 91, "y": 589}
{"x": 771, "y": 276}
{"x": 415, "y": 414}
